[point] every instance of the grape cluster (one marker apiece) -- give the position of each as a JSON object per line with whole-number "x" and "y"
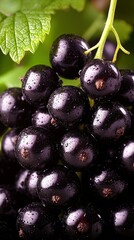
{"x": 67, "y": 152}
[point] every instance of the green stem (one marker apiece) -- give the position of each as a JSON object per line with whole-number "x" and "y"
{"x": 107, "y": 28}
{"x": 119, "y": 46}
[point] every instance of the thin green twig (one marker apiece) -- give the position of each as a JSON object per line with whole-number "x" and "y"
{"x": 107, "y": 29}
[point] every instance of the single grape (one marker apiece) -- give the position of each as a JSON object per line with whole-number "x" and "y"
{"x": 78, "y": 150}
{"x": 106, "y": 182}
{"x": 100, "y": 79}
{"x": 34, "y": 149}
{"x": 82, "y": 222}
{"x": 35, "y": 222}
{"x": 14, "y": 111}
{"x": 58, "y": 187}
{"x": 38, "y": 83}
{"x": 69, "y": 106}
{"x": 110, "y": 121}
{"x": 67, "y": 55}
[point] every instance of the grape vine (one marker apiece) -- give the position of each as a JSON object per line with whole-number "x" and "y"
{"x": 109, "y": 27}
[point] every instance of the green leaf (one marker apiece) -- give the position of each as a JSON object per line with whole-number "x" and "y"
{"x": 34, "y": 4}
{"x": 9, "y": 7}
{"x": 62, "y": 4}
{"x": 22, "y": 32}
{"x": 52, "y": 5}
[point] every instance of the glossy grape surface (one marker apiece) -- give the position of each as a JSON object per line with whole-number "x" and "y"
{"x": 34, "y": 149}
{"x": 82, "y": 222}
{"x": 67, "y": 55}
{"x": 38, "y": 83}
{"x": 14, "y": 111}
{"x": 78, "y": 150}
{"x": 35, "y": 222}
{"x": 110, "y": 121}
{"x": 67, "y": 151}
{"x": 69, "y": 105}
{"x": 58, "y": 187}
{"x": 100, "y": 79}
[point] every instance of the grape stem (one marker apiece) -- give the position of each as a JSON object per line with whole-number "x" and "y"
{"x": 107, "y": 29}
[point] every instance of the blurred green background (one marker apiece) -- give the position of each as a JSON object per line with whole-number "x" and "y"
{"x": 89, "y": 23}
